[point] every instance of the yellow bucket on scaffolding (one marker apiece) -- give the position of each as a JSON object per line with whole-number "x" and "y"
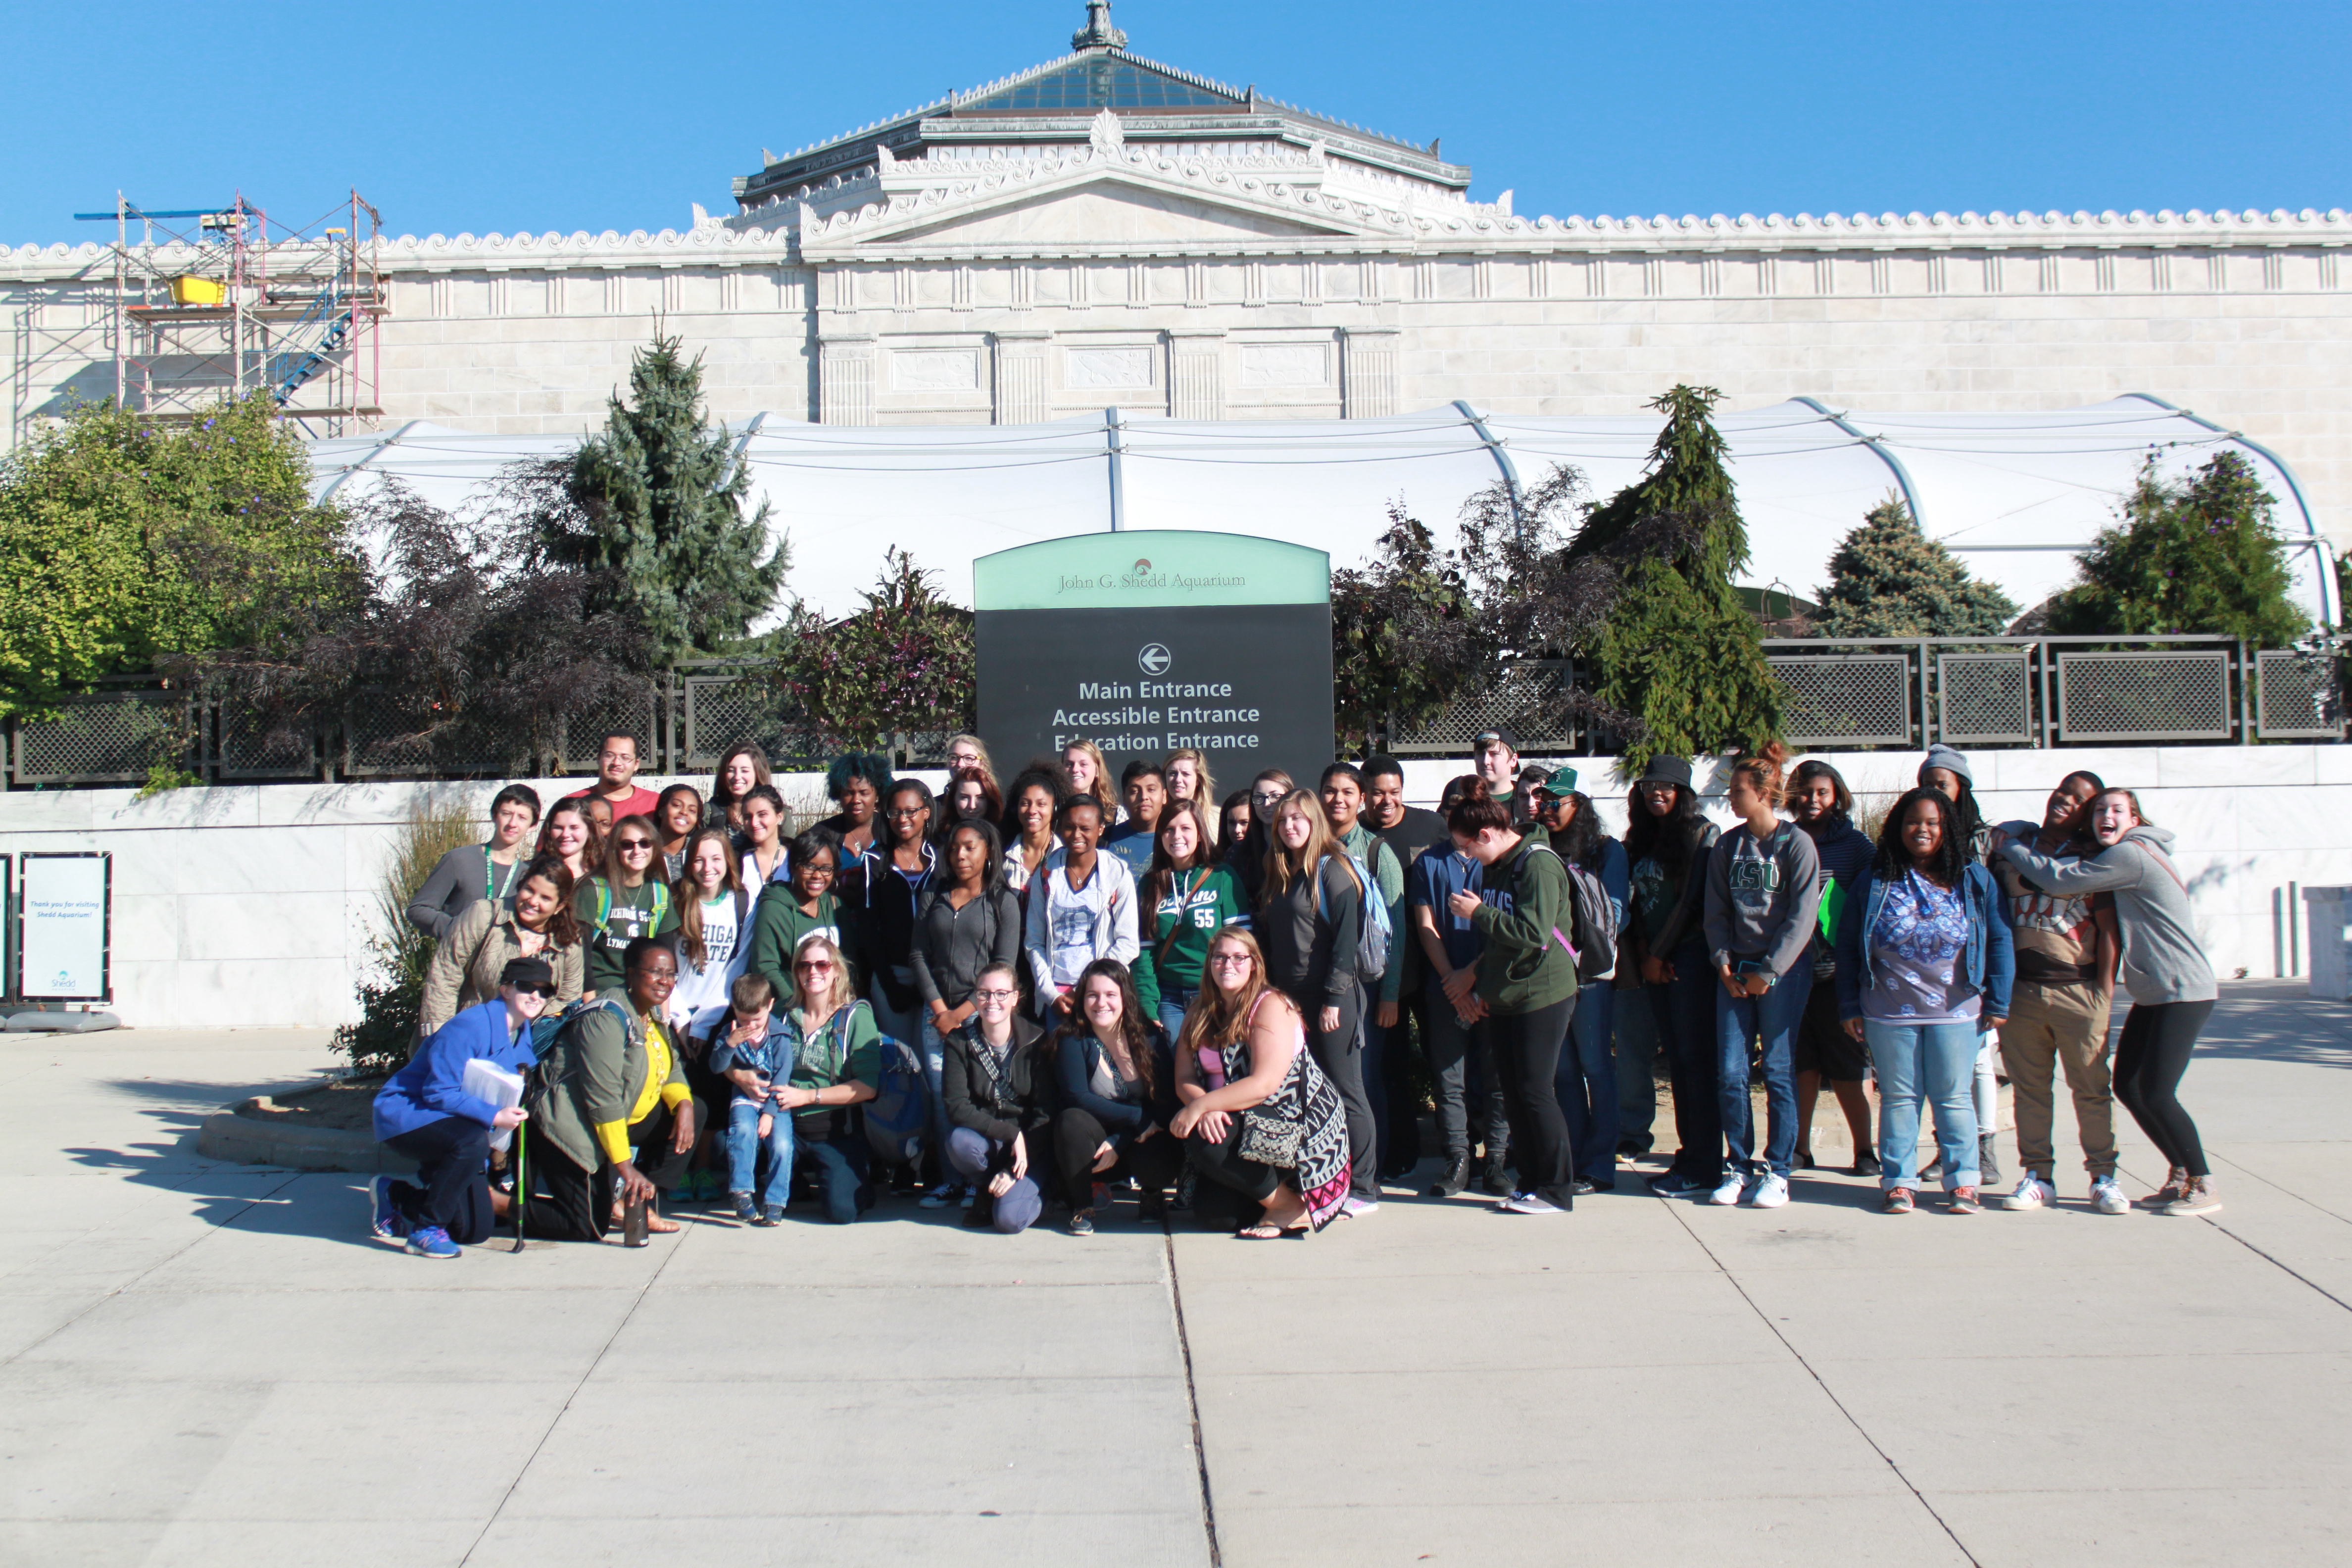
{"x": 198, "y": 290}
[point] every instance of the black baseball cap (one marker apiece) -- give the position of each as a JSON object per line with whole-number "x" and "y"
{"x": 526, "y": 973}
{"x": 1505, "y": 736}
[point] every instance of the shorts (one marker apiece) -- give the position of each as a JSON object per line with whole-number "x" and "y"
{"x": 1822, "y": 1044}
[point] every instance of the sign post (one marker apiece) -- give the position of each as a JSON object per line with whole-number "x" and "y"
{"x": 64, "y": 928}
{"x": 1146, "y": 643}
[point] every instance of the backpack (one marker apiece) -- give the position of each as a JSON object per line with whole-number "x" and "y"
{"x": 547, "y": 1027}
{"x": 1591, "y": 939}
{"x": 899, "y": 1117}
{"x": 1373, "y": 932}
{"x": 604, "y": 937}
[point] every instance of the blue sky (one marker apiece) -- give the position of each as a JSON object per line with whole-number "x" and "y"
{"x": 508, "y": 116}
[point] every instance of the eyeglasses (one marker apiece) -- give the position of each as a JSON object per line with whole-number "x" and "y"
{"x": 1266, "y": 796}
{"x": 1229, "y": 960}
{"x": 996, "y": 995}
{"x": 898, "y": 811}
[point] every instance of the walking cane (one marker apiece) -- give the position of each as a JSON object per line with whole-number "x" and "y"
{"x": 522, "y": 1179}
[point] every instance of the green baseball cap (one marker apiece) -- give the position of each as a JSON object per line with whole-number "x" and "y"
{"x": 1559, "y": 781}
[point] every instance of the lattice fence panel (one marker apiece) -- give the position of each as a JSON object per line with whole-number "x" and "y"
{"x": 635, "y": 713}
{"x": 112, "y": 740}
{"x": 2145, "y": 697}
{"x": 2296, "y": 697}
{"x": 1846, "y": 699}
{"x": 1983, "y": 697}
{"x": 1530, "y": 701}
{"x": 246, "y": 748}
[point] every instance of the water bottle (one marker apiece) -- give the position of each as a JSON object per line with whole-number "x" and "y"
{"x": 635, "y": 1230}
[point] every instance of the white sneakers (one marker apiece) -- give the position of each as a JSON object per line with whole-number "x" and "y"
{"x": 2032, "y": 1193}
{"x": 2108, "y": 1198}
{"x": 1762, "y": 1191}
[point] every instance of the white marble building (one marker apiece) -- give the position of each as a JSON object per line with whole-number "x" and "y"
{"x": 1103, "y": 231}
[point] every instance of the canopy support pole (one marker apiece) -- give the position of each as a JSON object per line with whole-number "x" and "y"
{"x": 1115, "y": 444}
{"x": 1495, "y": 449}
{"x": 1894, "y": 463}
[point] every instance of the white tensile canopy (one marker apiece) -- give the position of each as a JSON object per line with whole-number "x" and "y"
{"x": 2016, "y": 496}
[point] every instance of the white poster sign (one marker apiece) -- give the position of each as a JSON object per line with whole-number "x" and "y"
{"x": 62, "y": 928}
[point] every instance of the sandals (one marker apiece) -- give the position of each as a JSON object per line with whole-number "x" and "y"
{"x": 1272, "y": 1232}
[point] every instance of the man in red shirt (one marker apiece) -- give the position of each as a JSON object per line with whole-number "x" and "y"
{"x": 616, "y": 771}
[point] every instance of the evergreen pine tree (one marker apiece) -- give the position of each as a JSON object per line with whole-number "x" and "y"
{"x": 1678, "y": 650}
{"x": 2199, "y": 555}
{"x": 1889, "y": 580}
{"x": 658, "y": 499}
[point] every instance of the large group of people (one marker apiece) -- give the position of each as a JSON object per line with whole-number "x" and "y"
{"x": 1032, "y": 999}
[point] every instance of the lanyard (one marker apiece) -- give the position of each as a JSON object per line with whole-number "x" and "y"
{"x": 499, "y": 891}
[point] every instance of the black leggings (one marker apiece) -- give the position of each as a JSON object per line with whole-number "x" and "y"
{"x": 1527, "y": 1056}
{"x": 569, "y": 1203}
{"x": 1340, "y": 1055}
{"x": 2149, "y": 1060}
{"x": 451, "y": 1155}
{"x": 1077, "y": 1135}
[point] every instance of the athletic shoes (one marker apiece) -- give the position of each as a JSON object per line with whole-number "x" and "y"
{"x": 2196, "y": 1197}
{"x": 1770, "y": 1192}
{"x": 2108, "y": 1198}
{"x": 385, "y": 1221}
{"x": 432, "y": 1241}
{"x": 1898, "y": 1200}
{"x": 1963, "y": 1201}
{"x": 2032, "y": 1193}
{"x": 1680, "y": 1185}
{"x": 774, "y": 1213}
{"x": 745, "y": 1209}
{"x": 1529, "y": 1203}
{"x": 2174, "y": 1180}
{"x": 940, "y": 1196}
{"x": 1082, "y": 1224}
{"x": 1729, "y": 1190}
{"x": 1351, "y": 1207}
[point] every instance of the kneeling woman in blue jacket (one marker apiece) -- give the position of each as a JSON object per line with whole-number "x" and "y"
{"x": 426, "y": 1112}
{"x": 1924, "y": 968}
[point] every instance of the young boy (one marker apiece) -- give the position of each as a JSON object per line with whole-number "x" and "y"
{"x": 752, "y": 1043}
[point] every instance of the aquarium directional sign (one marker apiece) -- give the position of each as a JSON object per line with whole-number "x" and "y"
{"x": 1148, "y": 643}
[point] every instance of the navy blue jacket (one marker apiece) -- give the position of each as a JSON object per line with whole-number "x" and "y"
{"x": 432, "y": 1084}
{"x": 1991, "y": 954}
{"x": 1075, "y": 1052}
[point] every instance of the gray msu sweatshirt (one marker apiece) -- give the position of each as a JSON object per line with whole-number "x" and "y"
{"x": 1762, "y": 897}
{"x": 2163, "y": 959}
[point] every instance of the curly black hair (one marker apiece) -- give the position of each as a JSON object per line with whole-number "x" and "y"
{"x": 1893, "y": 857}
{"x": 1669, "y": 839}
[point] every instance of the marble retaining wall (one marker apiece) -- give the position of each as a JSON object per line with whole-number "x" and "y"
{"x": 249, "y": 907}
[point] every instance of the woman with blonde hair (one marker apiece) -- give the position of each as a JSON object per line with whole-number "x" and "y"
{"x": 970, "y": 752}
{"x": 1258, "y": 1116}
{"x": 1089, "y": 774}
{"x": 1189, "y": 779}
{"x": 1309, "y": 906}
{"x": 1763, "y": 894}
{"x": 837, "y": 1056}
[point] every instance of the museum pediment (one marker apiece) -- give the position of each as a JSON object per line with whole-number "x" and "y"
{"x": 1111, "y": 213}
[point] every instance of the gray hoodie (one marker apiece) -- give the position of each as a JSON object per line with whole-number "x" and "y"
{"x": 2163, "y": 959}
{"x": 1761, "y": 898}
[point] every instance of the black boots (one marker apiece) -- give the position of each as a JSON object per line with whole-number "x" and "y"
{"x": 1456, "y": 1179}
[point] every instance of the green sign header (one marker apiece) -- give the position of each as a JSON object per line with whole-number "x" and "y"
{"x": 1151, "y": 569}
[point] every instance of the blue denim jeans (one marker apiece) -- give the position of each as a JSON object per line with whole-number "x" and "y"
{"x": 1018, "y": 1209}
{"x": 840, "y": 1165}
{"x": 1586, "y": 1083}
{"x": 1773, "y": 1018}
{"x": 1174, "y": 1003}
{"x": 1685, "y": 1014}
{"x": 932, "y": 1048}
{"x": 745, "y": 1148}
{"x": 1924, "y": 1065}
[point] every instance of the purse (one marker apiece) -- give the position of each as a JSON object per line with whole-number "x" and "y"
{"x": 1269, "y": 1139}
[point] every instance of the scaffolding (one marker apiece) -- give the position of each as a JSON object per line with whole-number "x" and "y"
{"x": 215, "y": 302}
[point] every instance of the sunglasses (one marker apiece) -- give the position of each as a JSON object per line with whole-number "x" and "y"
{"x": 544, "y": 992}
{"x": 813, "y": 966}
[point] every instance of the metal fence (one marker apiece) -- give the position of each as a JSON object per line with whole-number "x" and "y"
{"x": 1855, "y": 694}
{"x": 1905, "y": 693}
{"x": 684, "y": 719}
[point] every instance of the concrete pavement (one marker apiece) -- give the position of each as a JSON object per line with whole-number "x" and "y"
{"x": 203, "y": 1363}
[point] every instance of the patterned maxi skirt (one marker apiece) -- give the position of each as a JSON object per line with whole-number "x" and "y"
{"x": 1307, "y": 1097}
